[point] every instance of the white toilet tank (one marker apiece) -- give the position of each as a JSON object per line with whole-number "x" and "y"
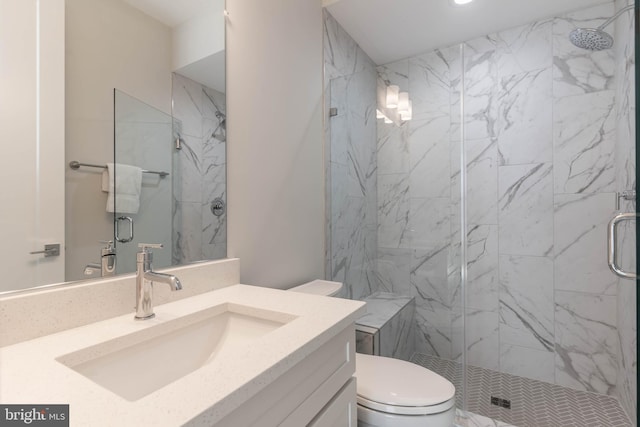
{"x": 319, "y": 287}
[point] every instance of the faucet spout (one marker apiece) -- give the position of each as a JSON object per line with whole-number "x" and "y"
{"x": 169, "y": 279}
{"x": 145, "y": 278}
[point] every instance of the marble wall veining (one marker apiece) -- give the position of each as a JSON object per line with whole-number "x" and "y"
{"x": 549, "y": 133}
{"x": 352, "y": 183}
{"x": 143, "y": 138}
{"x": 548, "y": 140}
{"x": 392, "y": 316}
{"x": 417, "y": 199}
{"x": 200, "y": 124}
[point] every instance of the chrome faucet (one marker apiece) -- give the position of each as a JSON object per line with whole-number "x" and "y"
{"x": 108, "y": 259}
{"x": 144, "y": 281}
{"x": 107, "y": 266}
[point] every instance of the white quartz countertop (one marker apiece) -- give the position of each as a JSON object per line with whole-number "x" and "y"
{"x": 30, "y": 373}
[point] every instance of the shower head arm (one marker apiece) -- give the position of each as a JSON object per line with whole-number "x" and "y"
{"x": 614, "y": 17}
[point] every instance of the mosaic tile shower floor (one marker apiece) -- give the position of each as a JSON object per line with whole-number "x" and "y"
{"x": 469, "y": 419}
{"x": 533, "y": 403}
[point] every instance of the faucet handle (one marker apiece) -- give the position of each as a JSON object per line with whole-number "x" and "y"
{"x": 144, "y": 246}
{"x": 109, "y": 243}
{"x": 109, "y": 249}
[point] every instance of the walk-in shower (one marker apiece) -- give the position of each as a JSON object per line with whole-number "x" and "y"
{"x": 489, "y": 209}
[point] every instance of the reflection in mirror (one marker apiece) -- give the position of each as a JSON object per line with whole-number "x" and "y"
{"x": 134, "y": 46}
{"x": 143, "y": 140}
{"x": 32, "y": 123}
{"x": 200, "y": 130}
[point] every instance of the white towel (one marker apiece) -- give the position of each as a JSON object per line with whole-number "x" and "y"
{"x": 124, "y": 195}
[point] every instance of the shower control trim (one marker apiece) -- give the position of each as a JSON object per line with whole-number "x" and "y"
{"x": 218, "y": 207}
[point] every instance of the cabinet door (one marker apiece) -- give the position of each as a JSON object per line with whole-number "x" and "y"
{"x": 341, "y": 411}
{"x": 297, "y": 397}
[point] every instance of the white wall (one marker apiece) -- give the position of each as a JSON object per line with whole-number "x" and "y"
{"x": 275, "y": 149}
{"x": 32, "y": 123}
{"x": 199, "y": 49}
{"x": 109, "y": 45}
{"x": 200, "y": 36}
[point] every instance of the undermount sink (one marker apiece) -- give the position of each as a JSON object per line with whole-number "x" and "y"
{"x": 137, "y": 364}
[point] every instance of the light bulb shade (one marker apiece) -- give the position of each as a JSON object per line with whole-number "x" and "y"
{"x": 392, "y": 96}
{"x": 379, "y": 114}
{"x": 403, "y": 102}
{"x": 407, "y": 115}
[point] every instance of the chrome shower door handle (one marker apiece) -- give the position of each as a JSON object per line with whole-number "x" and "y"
{"x": 612, "y": 238}
{"x": 130, "y": 221}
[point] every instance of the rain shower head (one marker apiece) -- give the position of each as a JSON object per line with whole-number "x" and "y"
{"x": 591, "y": 38}
{"x": 595, "y": 38}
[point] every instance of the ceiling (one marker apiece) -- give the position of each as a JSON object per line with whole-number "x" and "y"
{"x": 210, "y": 70}
{"x": 389, "y": 30}
{"x": 170, "y": 12}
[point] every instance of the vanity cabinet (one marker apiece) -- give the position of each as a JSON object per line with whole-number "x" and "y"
{"x": 341, "y": 411}
{"x": 319, "y": 391}
{"x": 299, "y": 374}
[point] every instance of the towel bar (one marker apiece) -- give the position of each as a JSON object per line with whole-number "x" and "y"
{"x": 76, "y": 165}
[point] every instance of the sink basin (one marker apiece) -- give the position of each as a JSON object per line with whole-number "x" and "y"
{"x": 137, "y": 364}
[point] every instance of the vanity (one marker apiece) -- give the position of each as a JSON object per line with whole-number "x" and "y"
{"x": 221, "y": 354}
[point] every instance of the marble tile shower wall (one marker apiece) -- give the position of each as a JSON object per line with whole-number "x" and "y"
{"x": 415, "y": 202}
{"x": 200, "y": 171}
{"x": 540, "y": 146}
{"x": 350, "y": 87}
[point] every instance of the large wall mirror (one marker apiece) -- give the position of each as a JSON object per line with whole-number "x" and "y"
{"x": 134, "y": 83}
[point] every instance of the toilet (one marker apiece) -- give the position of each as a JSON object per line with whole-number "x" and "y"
{"x": 392, "y": 392}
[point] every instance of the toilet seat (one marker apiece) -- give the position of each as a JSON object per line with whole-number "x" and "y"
{"x": 397, "y": 387}
{"x": 406, "y": 410}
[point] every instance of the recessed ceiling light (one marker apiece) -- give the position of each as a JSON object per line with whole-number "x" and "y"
{"x": 462, "y": 1}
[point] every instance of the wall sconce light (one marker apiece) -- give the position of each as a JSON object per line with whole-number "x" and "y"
{"x": 392, "y": 96}
{"x": 397, "y": 106}
{"x": 408, "y": 114}
{"x": 403, "y": 102}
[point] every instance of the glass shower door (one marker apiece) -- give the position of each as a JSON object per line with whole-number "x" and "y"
{"x": 549, "y": 140}
{"x": 420, "y": 200}
{"x": 143, "y": 138}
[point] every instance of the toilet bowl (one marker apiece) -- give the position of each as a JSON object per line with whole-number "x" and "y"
{"x": 391, "y": 392}
{"x": 396, "y": 393}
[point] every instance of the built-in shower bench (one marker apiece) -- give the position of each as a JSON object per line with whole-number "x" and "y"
{"x": 387, "y": 328}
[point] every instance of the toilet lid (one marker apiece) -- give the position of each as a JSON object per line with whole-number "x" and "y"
{"x": 392, "y": 385}
{"x": 319, "y": 287}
